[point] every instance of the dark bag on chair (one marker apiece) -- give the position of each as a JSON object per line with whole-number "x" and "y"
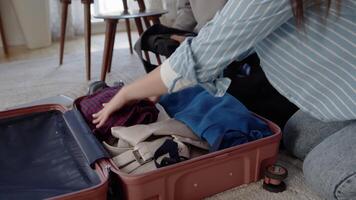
{"x": 157, "y": 40}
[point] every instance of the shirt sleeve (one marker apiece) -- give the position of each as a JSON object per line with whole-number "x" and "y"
{"x": 231, "y": 35}
{"x": 169, "y": 77}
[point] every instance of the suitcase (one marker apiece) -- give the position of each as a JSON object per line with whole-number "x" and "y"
{"x": 67, "y": 162}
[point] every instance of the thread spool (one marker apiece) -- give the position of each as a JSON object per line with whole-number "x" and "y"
{"x": 274, "y": 176}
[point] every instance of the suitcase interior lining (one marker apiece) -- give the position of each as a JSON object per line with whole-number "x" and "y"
{"x": 40, "y": 158}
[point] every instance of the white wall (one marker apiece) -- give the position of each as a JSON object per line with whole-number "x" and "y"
{"x": 14, "y": 34}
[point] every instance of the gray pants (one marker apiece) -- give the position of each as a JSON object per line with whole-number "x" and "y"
{"x": 329, "y": 154}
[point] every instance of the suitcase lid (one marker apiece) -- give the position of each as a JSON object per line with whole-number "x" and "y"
{"x": 45, "y": 151}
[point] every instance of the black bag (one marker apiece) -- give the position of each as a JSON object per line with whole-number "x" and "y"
{"x": 249, "y": 82}
{"x": 157, "y": 40}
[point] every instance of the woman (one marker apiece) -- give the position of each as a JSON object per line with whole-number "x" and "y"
{"x": 307, "y": 51}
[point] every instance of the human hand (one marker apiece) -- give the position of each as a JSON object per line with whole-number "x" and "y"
{"x": 178, "y": 38}
{"x": 115, "y": 103}
{"x": 100, "y": 117}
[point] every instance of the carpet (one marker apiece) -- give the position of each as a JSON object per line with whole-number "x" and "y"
{"x": 29, "y": 80}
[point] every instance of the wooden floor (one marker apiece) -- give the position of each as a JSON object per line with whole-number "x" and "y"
{"x": 74, "y": 45}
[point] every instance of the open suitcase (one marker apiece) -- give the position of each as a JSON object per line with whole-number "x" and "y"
{"x": 48, "y": 151}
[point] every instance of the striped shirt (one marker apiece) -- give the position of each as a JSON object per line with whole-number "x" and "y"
{"x": 314, "y": 67}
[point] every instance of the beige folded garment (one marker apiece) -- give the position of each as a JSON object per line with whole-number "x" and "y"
{"x": 138, "y": 133}
{"x": 143, "y": 153}
{"x": 118, "y": 148}
{"x": 133, "y": 153}
{"x": 121, "y": 145}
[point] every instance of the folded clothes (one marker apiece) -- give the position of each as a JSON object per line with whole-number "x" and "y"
{"x": 117, "y": 148}
{"x": 221, "y": 121}
{"x": 141, "y": 157}
{"x": 140, "y": 112}
{"x": 170, "y": 127}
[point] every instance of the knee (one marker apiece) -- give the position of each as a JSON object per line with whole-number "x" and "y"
{"x": 329, "y": 168}
{"x": 303, "y": 132}
{"x": 293, "y": 137}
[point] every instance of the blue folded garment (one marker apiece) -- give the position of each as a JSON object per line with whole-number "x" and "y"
{"x": 222, "y": 121}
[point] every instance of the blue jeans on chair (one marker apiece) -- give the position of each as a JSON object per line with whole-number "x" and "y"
{"x": 328, "y": 151}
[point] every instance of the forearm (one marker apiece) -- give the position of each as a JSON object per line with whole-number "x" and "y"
{"x": 148, "y": 86}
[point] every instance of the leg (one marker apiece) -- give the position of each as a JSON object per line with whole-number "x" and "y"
{"x": 128, "y": 30}
{"x": 3, "y": 38}
{"x": 109, "y": 45}
{"x": 87, "y": 35}
{"x": 63, "y": 28}
{"x": 330, "y": 167}
{"x": 140, "y": 31}
{"x": 303, "y": 132}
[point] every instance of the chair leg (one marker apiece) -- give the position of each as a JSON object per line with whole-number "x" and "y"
{"x": 109, "y": 45}
{"x": 159, "y": 61}
{"x": 147, "y": 22}
{"x": 63, "y": 28}
{"x": 140, "y": 31}
{"x": 3, "y": 38}
{"x": 87, "y": 38}
{"x": 156, "y": 20}
{"x": 128, "y": 30}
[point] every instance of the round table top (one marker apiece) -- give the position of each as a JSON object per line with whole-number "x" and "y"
{"x": 130, "y": 14}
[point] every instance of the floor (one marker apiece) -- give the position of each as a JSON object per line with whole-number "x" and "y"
{"x": 73, "y": 45}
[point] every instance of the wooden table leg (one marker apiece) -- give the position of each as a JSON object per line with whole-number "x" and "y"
{"x": 128, "y": 27}
{"x": 140, "y": 31}
{"x": 111, "y": 52}
{"x": 64, "y": 14}
{"x": 3, "y": 38}
{"x": 128, "y": 30}
{"x": 87, "y": 36}
{"x": 109, "y": 45}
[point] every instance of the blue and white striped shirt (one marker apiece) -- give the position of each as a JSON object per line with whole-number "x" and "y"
{"x": 315, "y": 67}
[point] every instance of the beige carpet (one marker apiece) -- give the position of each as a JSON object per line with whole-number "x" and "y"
{"x": 27, "y": 81}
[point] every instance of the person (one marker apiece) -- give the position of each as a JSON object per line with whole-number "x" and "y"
{"x": 249, "y": 82}
{"x": 306, "y": 50}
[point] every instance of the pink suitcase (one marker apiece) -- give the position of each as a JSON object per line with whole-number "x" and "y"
{"x": 192, "y": 179}
{"x": 206, "y": 175}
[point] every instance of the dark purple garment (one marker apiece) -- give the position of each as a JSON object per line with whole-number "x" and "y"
{"x": 140, "y": 112}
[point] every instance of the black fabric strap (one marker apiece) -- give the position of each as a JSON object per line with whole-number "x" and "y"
{"x": 170, "y": 147}
{"x": 157, "y": 40}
